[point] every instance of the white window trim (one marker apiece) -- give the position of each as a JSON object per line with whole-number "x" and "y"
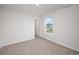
{"x": 45, "y": 28}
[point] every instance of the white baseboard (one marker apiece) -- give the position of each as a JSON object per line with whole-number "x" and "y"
{"x": 15, "y": 42}
{"x": 63, "y": 45}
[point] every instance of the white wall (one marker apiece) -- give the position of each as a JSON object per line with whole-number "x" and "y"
{"x": 16, "y": 27}
{"x": 37, "y": 26}
{"x": 66, "y": 27}
{"x": 1, "y": 40}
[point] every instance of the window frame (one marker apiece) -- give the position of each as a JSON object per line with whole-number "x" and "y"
{"x": 45, "y": 19}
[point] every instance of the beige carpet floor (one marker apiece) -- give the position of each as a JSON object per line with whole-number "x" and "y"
{"x": 38, "y": 46}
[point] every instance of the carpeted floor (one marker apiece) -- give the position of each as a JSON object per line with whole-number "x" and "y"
{"x": 36, "y": 46}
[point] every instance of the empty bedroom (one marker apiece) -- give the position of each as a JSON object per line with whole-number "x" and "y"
{"x": 39, "y": 29}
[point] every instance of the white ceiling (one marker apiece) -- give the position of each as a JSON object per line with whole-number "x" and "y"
{"x": 32, "y": 9}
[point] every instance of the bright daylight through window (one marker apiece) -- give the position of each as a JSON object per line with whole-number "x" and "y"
{"x": 48, "y": 25}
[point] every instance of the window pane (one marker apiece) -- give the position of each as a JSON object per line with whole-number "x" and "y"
{"x": 49, "y": 25}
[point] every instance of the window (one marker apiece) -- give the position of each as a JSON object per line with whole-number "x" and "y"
{"x": 48, "y": 25}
